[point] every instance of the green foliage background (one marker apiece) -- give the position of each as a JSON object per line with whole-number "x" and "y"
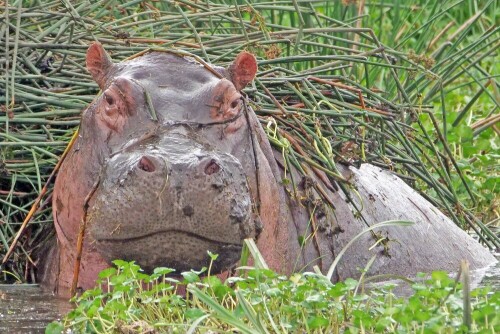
{"x": 430, "y": 65}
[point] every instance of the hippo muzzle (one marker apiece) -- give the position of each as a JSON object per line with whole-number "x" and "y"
{"x": 168, "y": 201}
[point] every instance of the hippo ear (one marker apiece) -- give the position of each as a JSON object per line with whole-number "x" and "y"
{"x": 98, "y": 63}
{"x": 243, "y": 70}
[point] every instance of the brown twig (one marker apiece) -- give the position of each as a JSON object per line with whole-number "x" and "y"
{"x": 352, "y": 89}
{"x": 275, "y": 101}
{"x": 79, "y": 241}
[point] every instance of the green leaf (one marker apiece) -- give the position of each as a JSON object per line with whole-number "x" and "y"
{"x": 190, "y": 276}
{"x": 118, "y": 280}
{"x": 212, "y": 281}
{"x": 194, "y": 313}
{"x": 54, "y": 328}
{"x": 465, "y": 132}
{"x": 107, "y": 272}
{"x": 212, "y": 256}
{"x": 120, "y": 263}
{"x": 163, "y": 271}
{"x": 383, "y": 324}
{"x": 439, "y": 275}
{"x": 302, "y": 240}
{"x": 221, "y": 313}
{"x": 273, "y": 292}
{"x": 317, "y": 322}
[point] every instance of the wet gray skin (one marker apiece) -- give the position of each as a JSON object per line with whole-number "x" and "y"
{"x": 172, "y": 193}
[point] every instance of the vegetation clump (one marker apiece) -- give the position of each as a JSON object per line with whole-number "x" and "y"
{"x": 262, "y": 301}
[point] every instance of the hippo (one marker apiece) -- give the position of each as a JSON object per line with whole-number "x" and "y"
{"x": 171, "y": 162}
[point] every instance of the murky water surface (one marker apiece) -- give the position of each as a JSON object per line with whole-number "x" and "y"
{"x": 489, "y": 276}
{"x": 26, "y": 309}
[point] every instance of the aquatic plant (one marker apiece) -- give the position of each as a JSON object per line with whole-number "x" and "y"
{"x": 259, "y": 300}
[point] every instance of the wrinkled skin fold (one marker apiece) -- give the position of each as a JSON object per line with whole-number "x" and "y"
{"x": 170, "y": 163}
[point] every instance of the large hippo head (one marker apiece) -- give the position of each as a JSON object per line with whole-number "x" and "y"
{"x": 164, "y": 164}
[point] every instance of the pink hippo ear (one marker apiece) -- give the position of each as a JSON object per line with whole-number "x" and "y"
{"x": 243, "y": 69}
{"x": 98, "y": 63}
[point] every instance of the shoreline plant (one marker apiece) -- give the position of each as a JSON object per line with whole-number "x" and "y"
{"x": 259, "y": 300}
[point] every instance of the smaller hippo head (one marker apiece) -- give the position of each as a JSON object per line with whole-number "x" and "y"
{"x": 172, "y": 160}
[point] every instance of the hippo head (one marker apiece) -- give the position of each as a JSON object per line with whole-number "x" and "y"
{"x": 171, "y": 159}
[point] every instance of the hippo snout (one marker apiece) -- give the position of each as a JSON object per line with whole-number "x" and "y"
{"x": 167, "y": 203}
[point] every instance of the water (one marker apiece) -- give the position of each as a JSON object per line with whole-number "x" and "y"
{"x": 489, "y": 276}
{"x": 26, "y": 309}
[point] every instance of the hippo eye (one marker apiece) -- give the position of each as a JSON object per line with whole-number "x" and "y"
{"x": 235, "y": 103}
{"x": 109, "y": 99}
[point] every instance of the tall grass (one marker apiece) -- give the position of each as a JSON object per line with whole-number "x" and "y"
{"x": 337, "y": 83}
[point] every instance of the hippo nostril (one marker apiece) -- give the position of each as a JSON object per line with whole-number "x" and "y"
{"x": 212, "y": 167}
{"x": 146, "y": 164}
